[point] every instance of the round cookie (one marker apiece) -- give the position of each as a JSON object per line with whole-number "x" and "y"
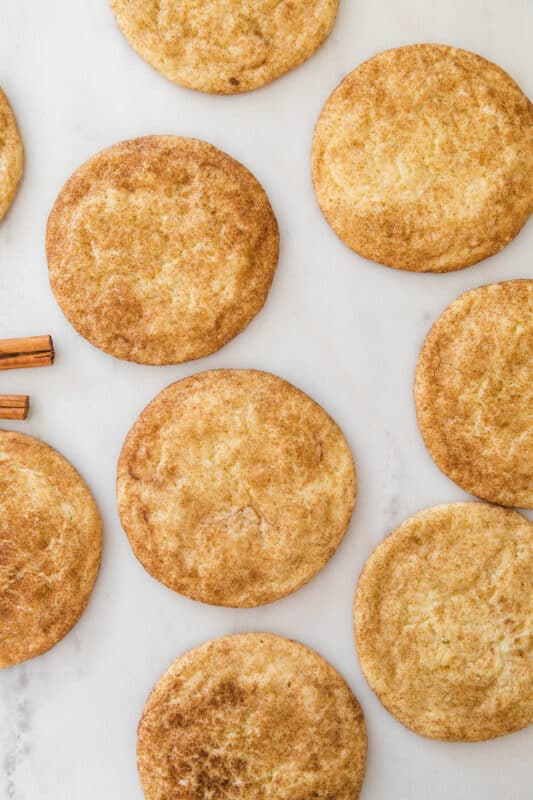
{"x": 422, "y": 159}
{"x": 225, "y": 47}
{"x": 234, "y": 487}
{"x": 161, "y": 249}
{"x": 474, "y": 392}
{"x": 243, "y": 713}
{"x": 51, "y": 540}
{"x": 443, "y": 619}
{"x": 11, "y": 156}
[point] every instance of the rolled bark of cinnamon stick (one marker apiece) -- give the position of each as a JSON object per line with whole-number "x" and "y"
{"x": 32, "y": 351}
{"x": 14, "y": 406}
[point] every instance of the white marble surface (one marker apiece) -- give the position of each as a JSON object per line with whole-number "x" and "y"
{"x": 345, "y": 330}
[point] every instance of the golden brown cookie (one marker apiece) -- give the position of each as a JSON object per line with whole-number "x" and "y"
{"x": 234, "y": 487}
{"x": 161, "y": 249}
{"x": 443, "y": 619}
{"x": 11, "y": 156}
{"x": 474, "y": 392}
{"x": 50, "y": 545}
{"x": 225, "y": 47}
{"x": 251, "y": 716}
{"x": 423, "y": 159}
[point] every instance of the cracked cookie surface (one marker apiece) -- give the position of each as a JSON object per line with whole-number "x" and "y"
{"x": 50, "y": 545}
{"x": 11, "y": 156}
{"x": 225, "y": 46}
{"x": 423, "y": 158}
{"x": 443, "y": 617}
{"x": 474, "y": 392}
{"x": 251, "y": 716}
{"x": 161, "y": 249}
{"x": 234, "y": 487}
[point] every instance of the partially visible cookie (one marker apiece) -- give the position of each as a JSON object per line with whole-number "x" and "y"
{"x": 443, "y": 619}
{"x": 161, "y": 249}
{"x": 225, "y": 47}
{"x": 50, "y": 545}
{"x": 474, "y": 392}
{"x": 251, "y": 716}
{"x": 11, "y": 156}
{"x": 423, "y": 158}
{"x": 234, "y": 487}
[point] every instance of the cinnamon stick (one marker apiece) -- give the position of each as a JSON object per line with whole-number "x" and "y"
{"x": 14, "y": 406}
{"x": 33, "y": 351}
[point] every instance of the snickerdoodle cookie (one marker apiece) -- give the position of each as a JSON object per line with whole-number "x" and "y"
{"x": 161, "y": 249}
{"x": 423, "y": 158}
{"x": 11, "y": 155}
{"x": 50, "y": 544}
{"x": 251, "y": 716}
{"x": 444, "y": 622}
{"x": 234, "y": 487}
{"x": 474, "y": 392}
{"x": 223, "y": 46}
